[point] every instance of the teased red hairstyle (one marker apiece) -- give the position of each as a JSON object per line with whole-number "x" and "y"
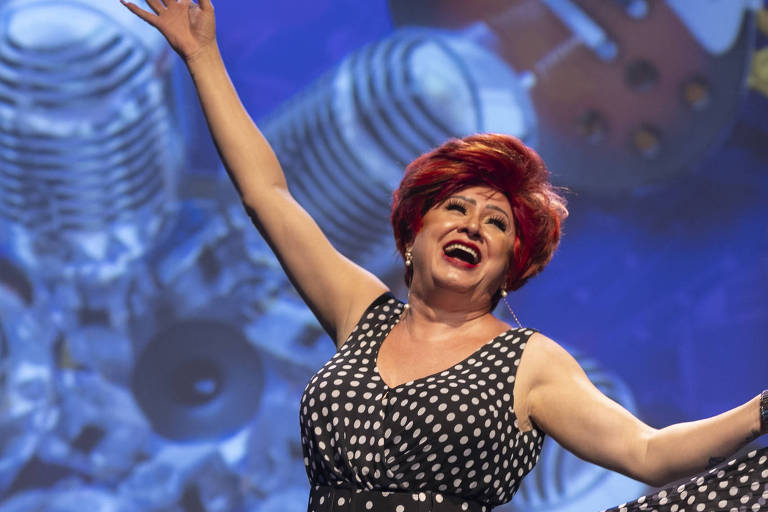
{"x": 501, "y": 162}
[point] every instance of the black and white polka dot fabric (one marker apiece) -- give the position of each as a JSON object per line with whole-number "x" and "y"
{"x": 447, "y": 442}
{"x": 740, "y": 485}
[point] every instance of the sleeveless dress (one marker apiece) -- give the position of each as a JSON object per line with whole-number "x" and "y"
{"x": 450, "y": 442}
{"x": 739, "y": 485}
{"x": 447, "y": 442}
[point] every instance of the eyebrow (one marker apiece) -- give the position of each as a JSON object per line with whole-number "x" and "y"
{"x": 470, "y": 200}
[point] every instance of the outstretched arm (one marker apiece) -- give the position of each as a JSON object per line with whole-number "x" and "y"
{"x": 336, "y": 289}
{"x": 567, "y": 406}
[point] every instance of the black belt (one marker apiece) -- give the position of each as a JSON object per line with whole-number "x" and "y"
{"x": 337, "y": 499}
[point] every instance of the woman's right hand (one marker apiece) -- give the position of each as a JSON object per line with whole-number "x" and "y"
{"x": 189, "y": 27}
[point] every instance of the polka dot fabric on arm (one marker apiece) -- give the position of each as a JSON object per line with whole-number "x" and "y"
{"x": 447, "y": 442}
{"x": 740, "y": 485}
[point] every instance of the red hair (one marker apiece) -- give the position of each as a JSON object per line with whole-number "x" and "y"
{"x": 501, "y": 162}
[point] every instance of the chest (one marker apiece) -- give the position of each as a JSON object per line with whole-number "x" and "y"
{"x": 470, "y": 399}
{"x": 448, "y": 427}
{"x": 465, "y": 411}
{"x": 401, "y": 359}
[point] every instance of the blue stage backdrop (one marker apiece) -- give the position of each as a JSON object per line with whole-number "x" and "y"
{"x": 152, "y": 353}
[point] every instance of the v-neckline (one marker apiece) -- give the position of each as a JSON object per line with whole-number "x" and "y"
{"x": 396, "y": 321}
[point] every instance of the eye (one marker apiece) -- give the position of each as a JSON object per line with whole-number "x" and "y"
{"x": 499, "y": 222}
{"x": 453, "y": 204}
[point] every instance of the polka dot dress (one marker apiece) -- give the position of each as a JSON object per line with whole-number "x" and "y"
{"x": 447, "y": 442}
{"x": 740, "y": 485}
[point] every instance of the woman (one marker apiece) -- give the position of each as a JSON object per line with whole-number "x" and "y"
{"x": 418, "y": 410}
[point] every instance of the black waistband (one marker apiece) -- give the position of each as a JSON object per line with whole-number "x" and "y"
{"x": 337, "y": 499}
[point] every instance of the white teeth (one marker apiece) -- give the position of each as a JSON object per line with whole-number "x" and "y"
{"x": 465, "y": 249}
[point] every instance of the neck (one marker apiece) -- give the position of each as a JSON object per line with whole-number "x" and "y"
{"x": 446, "y": 300}
{"x": 446, "y": 310}
{"x": 431, "y": 322}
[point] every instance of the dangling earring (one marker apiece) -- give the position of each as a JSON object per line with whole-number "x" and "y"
{"x": 509, "y": 308}
{"x": 408, "y": 264}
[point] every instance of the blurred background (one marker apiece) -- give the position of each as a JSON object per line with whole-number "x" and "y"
{"x": 152, "y": 354}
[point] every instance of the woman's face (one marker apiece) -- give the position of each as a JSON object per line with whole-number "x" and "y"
{"x": 465, "y": 242}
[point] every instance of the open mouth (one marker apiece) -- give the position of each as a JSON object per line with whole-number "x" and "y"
{"x": 469, "y": 254}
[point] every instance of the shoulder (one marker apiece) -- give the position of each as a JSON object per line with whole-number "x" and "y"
{"x": 542, "y": 345}
{"x": 545, "y": 360}
{"x": 518, "y": 337}
{"x": 382, "y": 310}
{"x": 544, "y": 365}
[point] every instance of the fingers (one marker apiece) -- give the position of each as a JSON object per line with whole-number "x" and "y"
{"x": 156, "y": 5}
{"x": 205, "y": 4}
{"x": 141, "y": 13}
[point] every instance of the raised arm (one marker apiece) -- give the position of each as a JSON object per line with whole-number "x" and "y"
{"x": 336, "y": 289}
{"x": 566, "y": 405}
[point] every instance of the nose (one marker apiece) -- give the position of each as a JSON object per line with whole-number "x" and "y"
{"x": 471, "y": 226}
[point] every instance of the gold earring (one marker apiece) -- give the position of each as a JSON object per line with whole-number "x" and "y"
{"x": 408, "y": 258}
{"x": 503, "y": 293}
